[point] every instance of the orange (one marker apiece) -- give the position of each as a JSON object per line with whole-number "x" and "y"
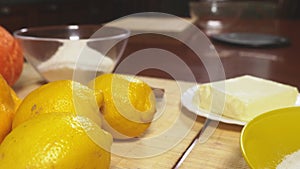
{"x": 11, "y": 57}
{"x": 9, "y": 102}
{"x": 128, "y": 107}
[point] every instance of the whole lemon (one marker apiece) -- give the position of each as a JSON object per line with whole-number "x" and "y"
{"x": 129, "y": 104}
{"x": 9, "y": 102}
{"x": 60, "y": 96}
{"x": 56, "y": 141}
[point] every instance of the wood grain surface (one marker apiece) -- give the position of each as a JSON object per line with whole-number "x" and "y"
{"x": 173, "y": 122}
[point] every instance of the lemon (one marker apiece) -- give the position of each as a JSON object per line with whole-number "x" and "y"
{"x": 129, "y": 104}
{"x": 60, "y": 96}
{"x": 56, "y": 141}
{"x": 9, "y": 102}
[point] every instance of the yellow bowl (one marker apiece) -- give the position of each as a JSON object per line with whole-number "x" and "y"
{"x": 266, "y": 139}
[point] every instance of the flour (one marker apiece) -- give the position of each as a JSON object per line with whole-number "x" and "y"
{"x": 75, "y": 55}
{"x": 291, "y": 161}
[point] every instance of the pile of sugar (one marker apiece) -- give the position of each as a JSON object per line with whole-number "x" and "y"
{"x": 291, "y": 161}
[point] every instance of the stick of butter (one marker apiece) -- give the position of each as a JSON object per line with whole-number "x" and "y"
{"x": 245, "y": 97}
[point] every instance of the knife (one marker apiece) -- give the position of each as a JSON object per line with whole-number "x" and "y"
{"x": 202, "y": 136}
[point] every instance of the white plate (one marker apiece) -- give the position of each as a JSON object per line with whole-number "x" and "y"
{"x": 188, "y": 100}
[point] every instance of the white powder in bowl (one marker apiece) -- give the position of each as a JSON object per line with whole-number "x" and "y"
{"x": 291, "y": 161}
{"x": 76, "y": 55}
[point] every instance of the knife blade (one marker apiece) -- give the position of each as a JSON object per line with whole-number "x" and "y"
{"x": 202, "y": 136}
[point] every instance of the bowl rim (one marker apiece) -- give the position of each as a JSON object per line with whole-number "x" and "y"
{"x": 255, "y": 120}
{"x": 19, "y": 33}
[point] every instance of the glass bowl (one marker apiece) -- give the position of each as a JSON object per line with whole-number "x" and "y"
{"x": 75, "y": 52}
{"x": 216, "y": 15}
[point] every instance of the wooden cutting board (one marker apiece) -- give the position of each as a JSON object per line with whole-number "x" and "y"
{"x": 167, "y": 138}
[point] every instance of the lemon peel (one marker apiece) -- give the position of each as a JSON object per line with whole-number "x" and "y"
{"x": 60, "y": 96}
{"x": 9, "y": 102}
{"x": 56, "y": 140}
{"x": 128, "y": 107}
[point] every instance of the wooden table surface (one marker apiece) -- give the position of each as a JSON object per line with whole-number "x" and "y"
{"x": 274, "y": 63}
{"x": 221, "y": 150}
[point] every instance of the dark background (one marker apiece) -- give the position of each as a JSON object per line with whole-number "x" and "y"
{"x": 16, "y": 14}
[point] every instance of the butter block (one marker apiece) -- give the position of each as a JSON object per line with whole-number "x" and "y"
{"x": 245, "y": 97}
